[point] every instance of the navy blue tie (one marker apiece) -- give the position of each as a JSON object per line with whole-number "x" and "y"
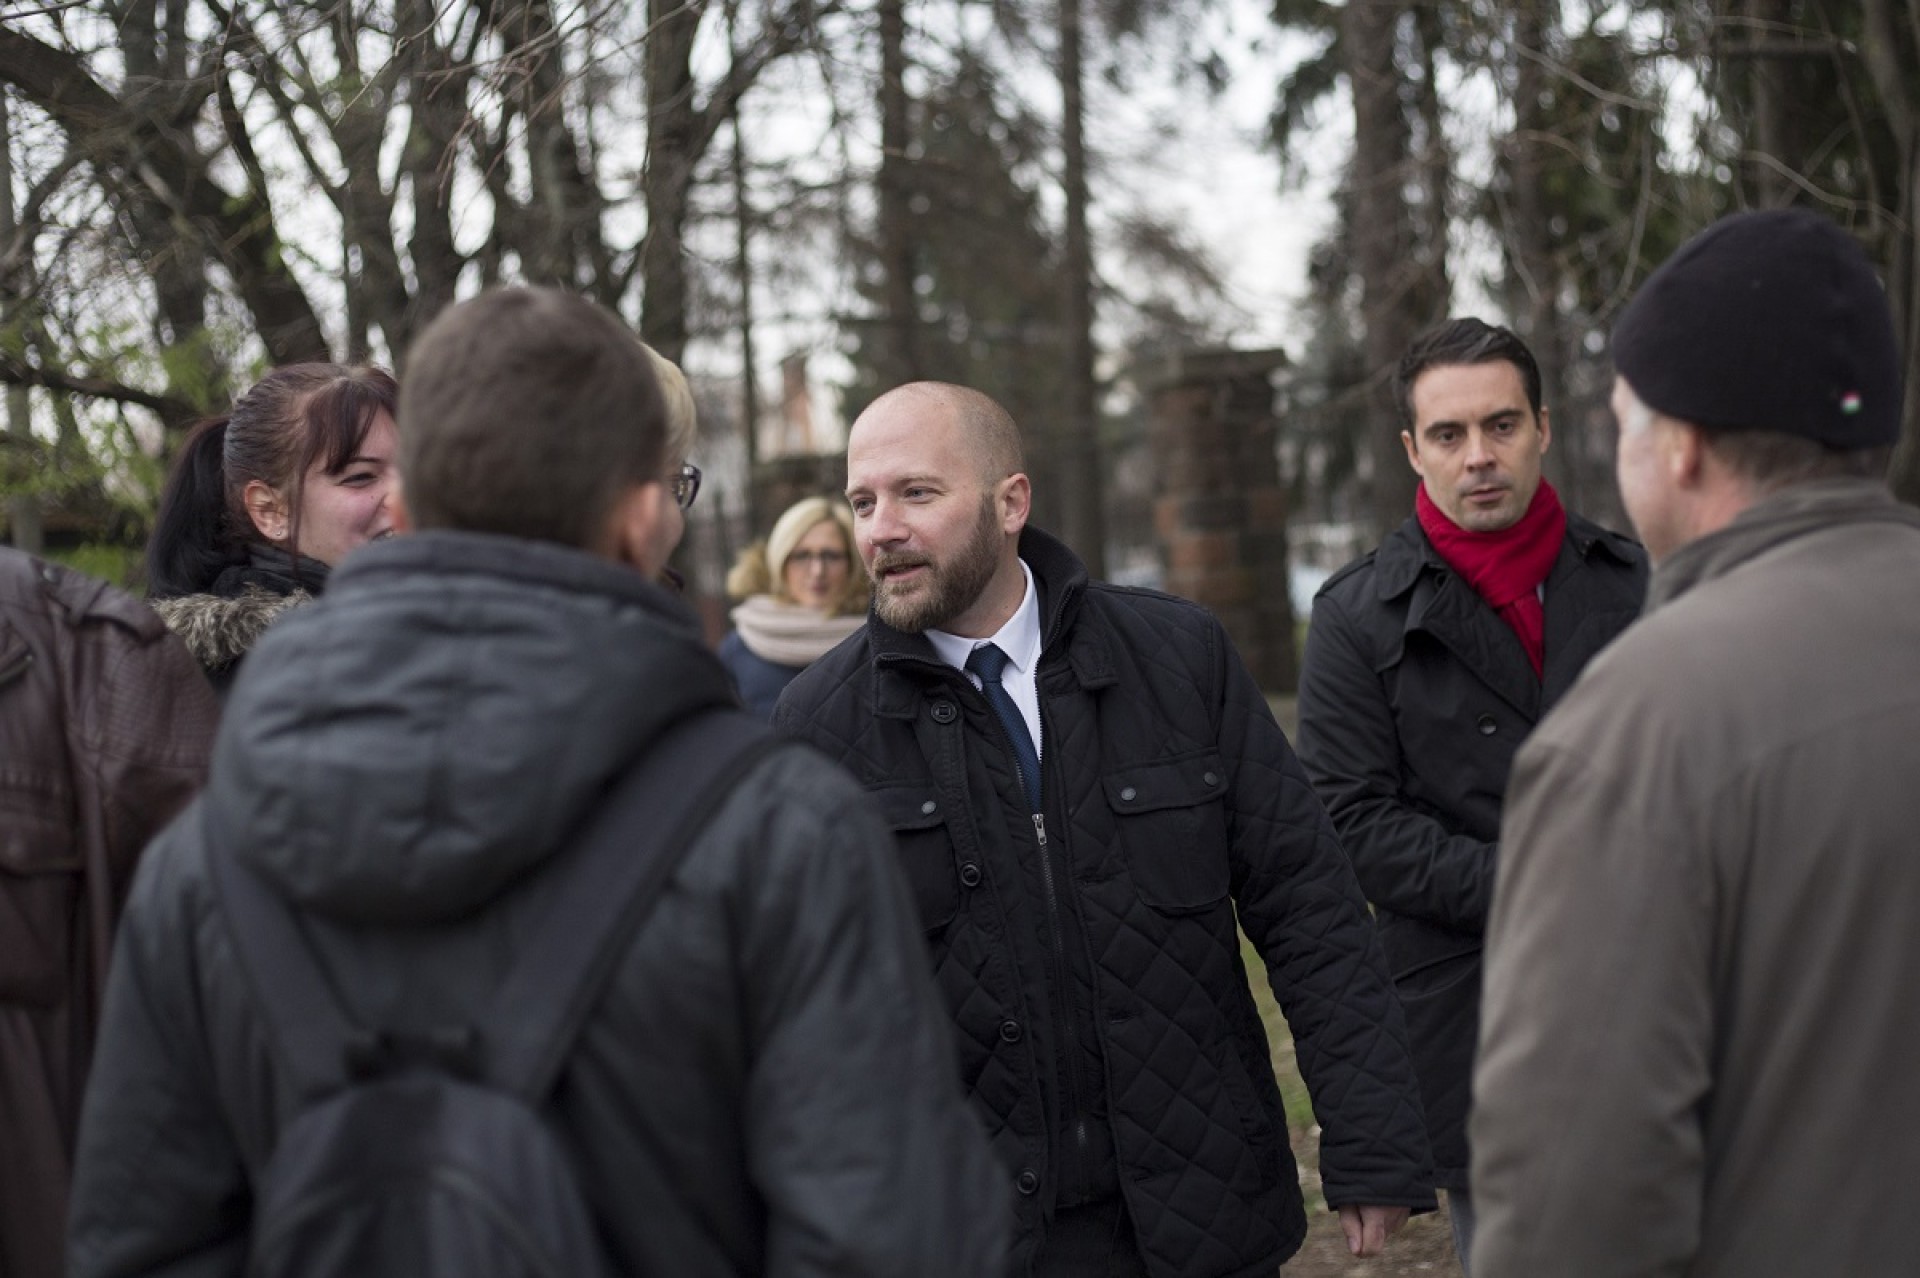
{"x": 990, "y": 663}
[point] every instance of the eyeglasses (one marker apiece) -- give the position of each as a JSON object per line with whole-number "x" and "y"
{"x": 685, "y": 484}
{"x": 825, "y": 558}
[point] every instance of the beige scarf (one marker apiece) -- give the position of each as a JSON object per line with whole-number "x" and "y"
{"x": 787, "y": 634}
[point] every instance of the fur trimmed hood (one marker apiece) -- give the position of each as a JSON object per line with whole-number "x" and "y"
{"x": 220, "y": 629}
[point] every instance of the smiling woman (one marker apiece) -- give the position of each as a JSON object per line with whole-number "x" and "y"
{"x": 264, "y": 501}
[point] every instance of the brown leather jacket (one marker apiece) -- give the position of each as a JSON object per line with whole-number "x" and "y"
{"x": 106, "y": 724}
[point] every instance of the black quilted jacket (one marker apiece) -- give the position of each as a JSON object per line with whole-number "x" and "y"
{"x": 1172, "y": 802}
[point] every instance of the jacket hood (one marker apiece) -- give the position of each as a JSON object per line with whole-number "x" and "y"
{"x": 444, "y": 719}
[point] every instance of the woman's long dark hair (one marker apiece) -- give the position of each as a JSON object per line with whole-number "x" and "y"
{"x": 292, "y": 419}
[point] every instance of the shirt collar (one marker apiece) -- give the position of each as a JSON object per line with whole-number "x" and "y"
{"x": 1019, "y": 638}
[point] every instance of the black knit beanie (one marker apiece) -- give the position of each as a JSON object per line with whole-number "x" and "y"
{"x": 1767, "y": 321}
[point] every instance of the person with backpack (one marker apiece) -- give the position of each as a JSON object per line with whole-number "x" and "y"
{"x": 501, "y": 941}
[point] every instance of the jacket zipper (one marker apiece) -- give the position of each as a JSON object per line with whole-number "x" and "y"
{"x": 1069, "y": 1038}
{"x": 1063, "y": 1014}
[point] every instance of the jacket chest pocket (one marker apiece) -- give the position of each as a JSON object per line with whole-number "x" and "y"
{"x": 40, "y": 861}
{"x": 919, "y": 824}
{"x": 1171, "y": 819}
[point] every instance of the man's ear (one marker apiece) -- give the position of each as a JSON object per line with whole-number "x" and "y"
{"x": 1686, "y": 452}
{"x": 1016, "y": 502}
{"x": 634, "y": 526}
{"x": 1546, "y": 430}
{"x": 266, "y": 509}
{"x": 1413, "y": 452}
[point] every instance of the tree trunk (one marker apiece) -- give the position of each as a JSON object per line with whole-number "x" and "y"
{"x": 23, "y": 508}
{"x": 1530, "y": 241}
{"x": 1383, "y": 241}
{"x": 1770, "y": 108}
{"x": 671, "y": 122}
{"x": 1890, "y": 51}
{"x": 155, "y": 53}
{"x": 900, "y": 351}
{"x": 1079, "y": 472}
{"x": 565, "y": 245}
{"x": 437, "y": 92}
{"x": 749, "y": 385}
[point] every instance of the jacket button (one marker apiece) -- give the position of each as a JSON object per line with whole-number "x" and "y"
{"x": 1010, "y": 1031}
{"x": 1027, "y": 1182}
{"x": 1487, "y": 725}
{"x": 944, "y": 712}
{"x": 1126, "y": 795}
{"x": 929, "y": 808}
{"x": 970, "y": 874}
{"x": 1210, "y": 778}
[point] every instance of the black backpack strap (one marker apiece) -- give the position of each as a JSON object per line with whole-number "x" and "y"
{"x": 305, "y": 1019}
{"x": 610, "y": 882}
{"x": 610, "y": 879}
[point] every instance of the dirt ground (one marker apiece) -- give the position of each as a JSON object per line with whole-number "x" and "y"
{"x": 1421, "y": 1248}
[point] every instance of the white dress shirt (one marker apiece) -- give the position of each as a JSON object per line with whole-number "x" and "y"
{"x": 1020, "y": 640}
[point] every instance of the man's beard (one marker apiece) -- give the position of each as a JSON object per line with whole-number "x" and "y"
{"x": 947, "y": 589}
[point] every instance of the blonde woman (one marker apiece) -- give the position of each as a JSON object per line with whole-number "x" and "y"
{"x": 802, "y": 592}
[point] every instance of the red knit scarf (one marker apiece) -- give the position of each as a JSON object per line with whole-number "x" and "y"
{"x": 1505, "y": 568}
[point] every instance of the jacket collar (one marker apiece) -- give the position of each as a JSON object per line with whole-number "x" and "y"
{"x": 1779, "y": 517}
{"x": 1406, "y": 553}
{"x": 1442, "y": 604}
{"x": 905, "y": 665}
{"x": 447, "y": 552}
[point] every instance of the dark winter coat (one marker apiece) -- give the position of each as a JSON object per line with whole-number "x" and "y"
{"x": 221, "y": 624}
{"x": 105, "y": 730}
{"x": 767, "y": 1086}
{"x": 759, "y": 681}
{"x": 1171, "y": 801}
{"x": 1414, "y": 696}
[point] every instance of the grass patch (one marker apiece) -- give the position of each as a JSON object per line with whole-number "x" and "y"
{"x": 1303, "y": 1132}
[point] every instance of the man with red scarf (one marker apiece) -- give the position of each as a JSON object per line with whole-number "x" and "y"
{"x": 1427, "y": 663}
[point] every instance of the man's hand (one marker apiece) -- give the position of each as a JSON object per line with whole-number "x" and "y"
{"x": 1367, "y": 1228}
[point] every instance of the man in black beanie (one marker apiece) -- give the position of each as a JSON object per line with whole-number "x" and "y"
{"x": 1698, "y": 1038}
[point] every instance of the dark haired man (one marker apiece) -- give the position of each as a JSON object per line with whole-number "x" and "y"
{"x": 1700, "y": 1024}
{"x": 763, "y": 1085}
{"x": 1428, "y": 662}
{"x": 1088, "y": 789}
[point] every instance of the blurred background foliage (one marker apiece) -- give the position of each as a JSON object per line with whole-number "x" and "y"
{"x": 808, "y": 201}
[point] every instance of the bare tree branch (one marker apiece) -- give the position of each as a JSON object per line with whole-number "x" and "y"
{"x": 156, "y": 163}
{"x": 17, "y": 372}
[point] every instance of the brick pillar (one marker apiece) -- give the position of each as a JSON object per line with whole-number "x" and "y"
{"x": 1219, "y": 512}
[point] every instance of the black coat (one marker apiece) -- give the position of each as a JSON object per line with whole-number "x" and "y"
{"x": 767, "y": 1085}
{"x": 1414, "y": 696}
{"x": 1171, "y": 801}
{"x": 759, "y": 681}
